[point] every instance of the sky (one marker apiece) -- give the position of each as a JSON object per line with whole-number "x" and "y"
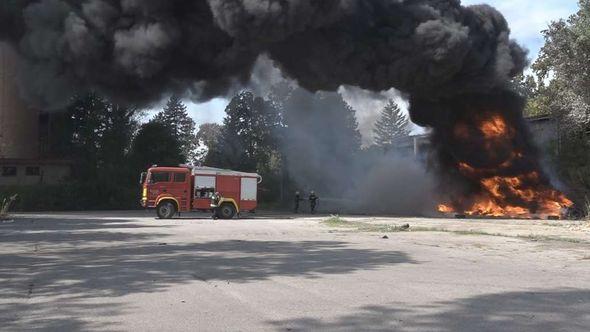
{"x": 527, "y": 18}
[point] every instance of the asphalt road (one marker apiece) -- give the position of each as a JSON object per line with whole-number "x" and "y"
{"x": 130, "y": 272}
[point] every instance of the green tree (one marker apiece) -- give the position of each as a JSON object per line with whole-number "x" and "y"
{"x": 97, "y": 136}
{"x": 391, "y": 126}
{"x": 208, "y": 139}
{"x": 564, "y": 59}
{"x": 249, "y": 141}
{"x": 100, "y": 136}
{"x": 175, "y": 116}
{"x": 247, "y": 138}
{"x": 538, "y": 94}
{"x": 155, "y": 144}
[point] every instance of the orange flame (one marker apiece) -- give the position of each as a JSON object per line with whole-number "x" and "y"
{"x": 494, "y": 127}
{"x": 497, "y": 191}
{"x": 522, "y": 196}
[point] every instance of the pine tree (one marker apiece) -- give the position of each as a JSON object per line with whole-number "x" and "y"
{"x": 175, "y": 117}
{"x": 391, "y": 126}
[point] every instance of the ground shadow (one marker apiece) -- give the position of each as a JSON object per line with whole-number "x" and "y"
{"x": 147, "y": 267}
{"x": 75, "y": 259}
{"x": 555, "y": 310}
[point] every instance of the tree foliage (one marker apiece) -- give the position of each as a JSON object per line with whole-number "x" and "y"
{"x": 96, "y": 135}
{"x": 247, "y": 136}
{"x": 155, "y": 144}
{"x": 564, "y": 59}
{"x": 175, "y": 116}
{"x": 391, "y": 126}
{"x": 99, "y": 135}
{"x": 563, "y": 62}
{"x": 207, "y": 140}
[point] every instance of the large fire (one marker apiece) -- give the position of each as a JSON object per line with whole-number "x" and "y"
{"x": 524, "y": 195}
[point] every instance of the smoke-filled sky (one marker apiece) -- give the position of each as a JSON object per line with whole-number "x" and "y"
{"x": 141, "y": 51}
{"x": 527, "y": 18}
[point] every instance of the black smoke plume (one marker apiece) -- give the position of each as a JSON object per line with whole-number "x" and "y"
{"x": 452, "y": 61}
{"x": 138, "y": 50}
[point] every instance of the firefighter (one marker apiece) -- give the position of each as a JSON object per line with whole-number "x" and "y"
{"x": 215, "y": 199}
{"x": 313, "y": 200}
{"x": 297, "y": 200}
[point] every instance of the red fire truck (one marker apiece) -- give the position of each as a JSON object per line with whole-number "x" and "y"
{"x": 171, "y": 190}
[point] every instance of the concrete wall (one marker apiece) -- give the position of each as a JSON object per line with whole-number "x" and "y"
{"x": 19, "y": 125}
{"x": 545, "y": 132}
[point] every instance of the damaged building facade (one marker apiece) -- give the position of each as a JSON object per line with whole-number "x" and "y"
{"x": 24, "y": 157}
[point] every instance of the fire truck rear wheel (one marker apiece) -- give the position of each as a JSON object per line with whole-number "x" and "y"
{"x": 166, "y": 210}
{"x": 227, "y": 211}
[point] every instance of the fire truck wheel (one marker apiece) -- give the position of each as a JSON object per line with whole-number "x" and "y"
{"x": 227, "y": 211}
{"x": 166, "y": 210}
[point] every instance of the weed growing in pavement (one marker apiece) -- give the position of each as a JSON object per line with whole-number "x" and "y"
{"x": 338, "y": 222}
{"x": 5, "y": 206}
{"x": 335, "y": 220}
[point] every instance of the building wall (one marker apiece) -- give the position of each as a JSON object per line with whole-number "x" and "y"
{"x": 545, "y": 132}
{"x": 20, "y": 134}
{"x": 19, "y": 125}
{"x": 32, "y": 173}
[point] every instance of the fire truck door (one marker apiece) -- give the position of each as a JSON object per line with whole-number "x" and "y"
{"x": 180, "y": 189}
{"x": 229, "y": 187}
{"x": 204, "y": 189}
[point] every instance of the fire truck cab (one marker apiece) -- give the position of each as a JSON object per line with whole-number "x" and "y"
{"x": 172, "y": 190}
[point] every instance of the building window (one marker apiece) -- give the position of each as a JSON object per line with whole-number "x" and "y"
{"x": 33, "y": 171}
{"x": 9, "y": 171}
{"x": 179, "y": 177}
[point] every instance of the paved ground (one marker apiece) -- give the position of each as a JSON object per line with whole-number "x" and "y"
{"x": 128, "y": 271}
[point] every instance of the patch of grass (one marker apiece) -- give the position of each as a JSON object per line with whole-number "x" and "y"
{"x": 531, "y": 237}
{"x": 547, "y": 238}
{"x": 337, "y": 222}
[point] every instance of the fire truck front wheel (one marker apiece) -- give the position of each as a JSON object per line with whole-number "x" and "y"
{"x": 166, "y": 210}
{"x": 227, "y": 211}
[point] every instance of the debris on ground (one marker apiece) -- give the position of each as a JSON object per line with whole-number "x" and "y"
{"x": 385, "y": 237}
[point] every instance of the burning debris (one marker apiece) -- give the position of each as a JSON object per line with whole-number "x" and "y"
{"x": 486, "y": 149}
{"x": 453, "y": 62}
